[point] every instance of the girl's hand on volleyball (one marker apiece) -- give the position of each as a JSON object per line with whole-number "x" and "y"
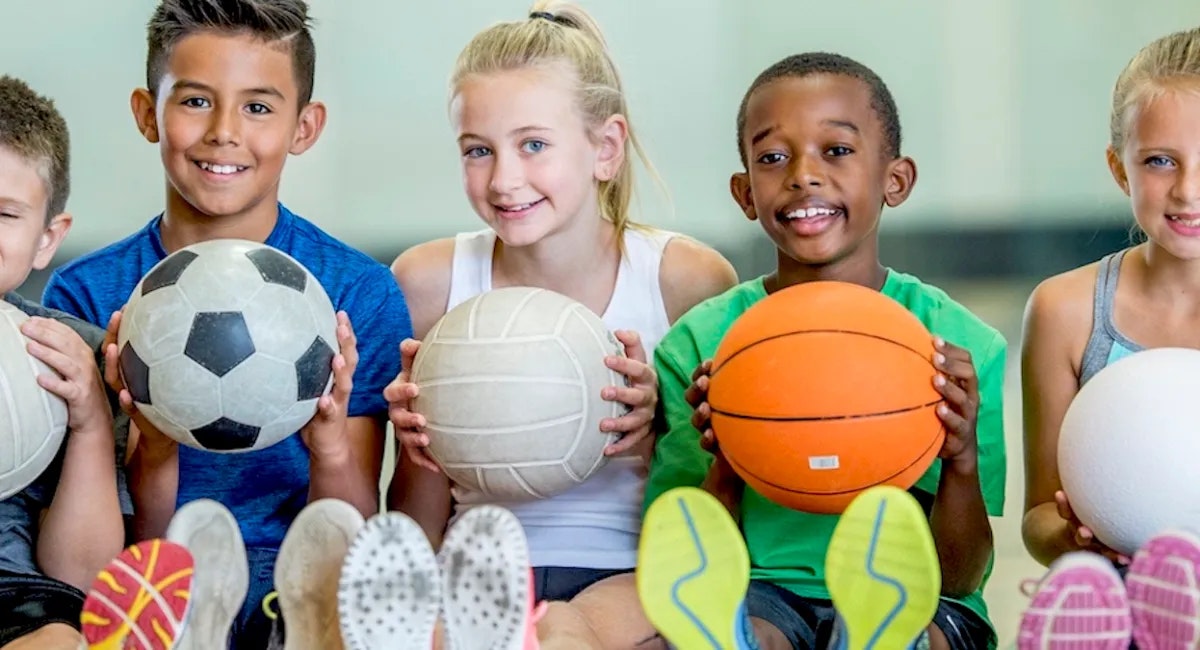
{"x": 1082, "y": 536}
{"x": 640, "y": 394}
{"x": 410, "y": 427}
{"x": 75, "y": 379}
{"x": 958, "y": 384}
{"x": 325, "y": 434}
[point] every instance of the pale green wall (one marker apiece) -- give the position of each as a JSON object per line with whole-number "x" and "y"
{"x": 1004, "y": 104}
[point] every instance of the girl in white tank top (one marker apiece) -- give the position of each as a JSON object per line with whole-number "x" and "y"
{"x": 540, "y": 118}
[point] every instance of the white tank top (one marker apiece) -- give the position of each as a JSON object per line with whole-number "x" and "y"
{"x": 596, "y": 524}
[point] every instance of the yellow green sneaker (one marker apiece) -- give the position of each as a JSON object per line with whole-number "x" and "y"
{"x": 693, "y": 572}
{"x": 882, "y": 571}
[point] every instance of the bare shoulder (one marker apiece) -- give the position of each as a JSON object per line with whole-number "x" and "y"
{"x": 423, "y": 273}
{"x": 1059, "y": 311}
{"x": 692, "y": 272}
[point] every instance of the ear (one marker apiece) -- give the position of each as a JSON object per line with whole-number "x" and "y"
{"x": 901, "y": 177}
{"x": 145, "y": 114}
{"x": 739, "y": 187}
{"x": 1117, "y": 167}
{"x": 51, "y": 238}
{"x": 610, "y": 139}
{"x": 308, "y": 128}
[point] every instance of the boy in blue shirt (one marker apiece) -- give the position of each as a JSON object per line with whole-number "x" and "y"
{"x": 228, "y": 98}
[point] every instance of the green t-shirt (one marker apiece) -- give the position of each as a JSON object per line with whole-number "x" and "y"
{"x": 787, "y": 547}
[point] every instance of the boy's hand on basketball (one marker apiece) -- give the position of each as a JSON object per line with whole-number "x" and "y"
{"x": 325, "y": 433}
{"x": 78, "y": 380}
{"x": 409, "y": 426}
{"x": 641, "y": 394}
{"x": 958, "y": 384}
{"x": 697, "y": 397}
{"x": 147, "y": 436}
{"x": 1081, "y": 535}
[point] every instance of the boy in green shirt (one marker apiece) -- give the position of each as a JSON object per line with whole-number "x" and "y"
{"x": 819, "y": 136}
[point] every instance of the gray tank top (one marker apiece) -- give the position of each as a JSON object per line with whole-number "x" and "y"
{"x": 1105, "y": 345}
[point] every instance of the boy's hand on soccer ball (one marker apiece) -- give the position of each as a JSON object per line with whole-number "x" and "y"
{"x": 325, "y": 433}
{"x": 147, "y": 437}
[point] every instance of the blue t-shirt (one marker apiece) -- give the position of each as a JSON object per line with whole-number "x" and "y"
{"x": 264, "y": 489}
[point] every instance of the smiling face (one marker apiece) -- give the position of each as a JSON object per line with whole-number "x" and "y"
{"x": 225, "y": 119}
{"x": 531, "y": 163}
{"x": 1158, "y": 166}
{"x": 27, "y": 240}
{"x": 817, "y": 176}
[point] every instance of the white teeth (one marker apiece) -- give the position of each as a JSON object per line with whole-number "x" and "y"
{"x": 810, "y": 213}
{"x": 518, "y": 208}
{"x": 220, "y": 169}
{"x": 1190, "y": 223}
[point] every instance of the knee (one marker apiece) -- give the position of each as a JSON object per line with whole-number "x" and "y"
{"x": 56, "y": 636}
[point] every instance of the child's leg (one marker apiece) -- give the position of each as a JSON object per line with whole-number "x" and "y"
{"x": 606, "y": 614}
{"x": 955, "y": 627}
{"x": 56, "y": 636}
{"x": 882, "y": 571}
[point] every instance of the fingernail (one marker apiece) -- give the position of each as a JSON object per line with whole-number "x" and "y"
{"x": 939, "y": 359}
{"x": 944, "y": 410}
{"x": 939, "y": 342}
{"x": 939, "y": 381}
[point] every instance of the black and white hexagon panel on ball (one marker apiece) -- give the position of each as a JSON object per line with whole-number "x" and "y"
{"x": 227, "y": 345}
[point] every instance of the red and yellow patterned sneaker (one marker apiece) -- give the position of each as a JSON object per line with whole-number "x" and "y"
{"x": 140, "y": 600}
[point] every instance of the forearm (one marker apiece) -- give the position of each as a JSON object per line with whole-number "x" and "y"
{"x": 83, "y": 529}
{"x": 724, "y": 484}
{"x": 1046, "y": 534}
{"x": 961, "y": 531}
{"x": 154, "y": 487}
{"x": 424, "y": 496}
{"x": 340, "y": 476}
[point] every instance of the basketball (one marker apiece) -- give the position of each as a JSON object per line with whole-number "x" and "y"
{"x": 1121, "y": 444}
{"x": 822, "y": 390}
{"x": 510, "y": 385}
{"x": 33, "y": 421}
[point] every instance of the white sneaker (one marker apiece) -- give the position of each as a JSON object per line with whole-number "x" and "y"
{"x": 209, "y": 531}
{"x": 390, "y": 592}
{"x": 307, "y": 572}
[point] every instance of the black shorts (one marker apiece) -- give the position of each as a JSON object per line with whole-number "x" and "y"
{"x": 809, "y": 623}
{"x": 30, "y": 603}
{"x": 565, "y": 583}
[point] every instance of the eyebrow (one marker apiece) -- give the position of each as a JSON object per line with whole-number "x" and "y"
{"x": 519, "y": 131}
{"x": 184, "y": 84}
{"x": 841, "y": 124}
{"x": 11, "y": 203}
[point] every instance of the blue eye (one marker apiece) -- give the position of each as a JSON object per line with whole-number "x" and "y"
{"x": 533, "y": 146}
{"x": 477, "y": 152}
{"x": 1159, "y": 161}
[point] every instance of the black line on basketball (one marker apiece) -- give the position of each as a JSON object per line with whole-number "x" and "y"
{"x": 797, "y": 333}
{"x": 822, "y": 418}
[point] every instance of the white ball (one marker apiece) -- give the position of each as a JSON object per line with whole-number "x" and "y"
{"x": 33, "y": 421}
{"x": 510, "y": 384}
{"x": 1127, "y": 447}
{"x": 227, "y": 345}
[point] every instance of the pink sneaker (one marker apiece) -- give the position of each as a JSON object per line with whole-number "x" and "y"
{"x": 1079, "y": 605}
{"x": 487, "y": 593}
{"x": 1164, "y": 592}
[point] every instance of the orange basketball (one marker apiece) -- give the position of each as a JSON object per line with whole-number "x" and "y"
{"x": 822, "y": 390}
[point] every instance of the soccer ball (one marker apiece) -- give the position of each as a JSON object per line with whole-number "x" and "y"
{"x": 33, "y": 421}
{"x": 227, "y": 345}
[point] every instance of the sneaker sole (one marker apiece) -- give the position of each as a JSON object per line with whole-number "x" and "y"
{"x": 484, "y": 562}
{"x": 390, "y": 592}
{"x": 882, "y": 570}
{"x": 1163, "y": 584}
{"x": 1079, "y": 605}
{"x": 140, "y": 600}
{"x": 693, "y": 571}
{"x": 307, "y": 572}
{"x": 209, "y": 531}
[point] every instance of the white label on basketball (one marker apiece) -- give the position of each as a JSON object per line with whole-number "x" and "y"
{"x": 822, "y": 462}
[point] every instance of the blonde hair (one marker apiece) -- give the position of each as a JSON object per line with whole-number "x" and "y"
{"x": 558, "y": 32}
{"x": 1153, "y": 70}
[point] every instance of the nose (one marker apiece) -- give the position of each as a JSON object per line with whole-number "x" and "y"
{"x": 1186, "y": 190}
{"x": 222, "y": 127}
{"x": 507, "y": 174}
{"x": 807, "y": 171}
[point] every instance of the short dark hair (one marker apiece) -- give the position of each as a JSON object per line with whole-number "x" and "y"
{"x": 270, "y": 20}
{"x": 32, "y": 128}
{"x": 811, "y": 63}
